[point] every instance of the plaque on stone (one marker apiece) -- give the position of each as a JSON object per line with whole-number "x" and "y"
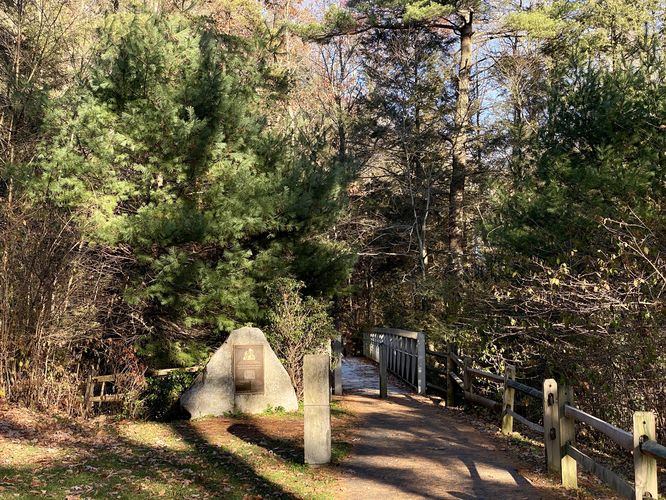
{"x": 249, "y": 369}
{"x": 234, "y": 382}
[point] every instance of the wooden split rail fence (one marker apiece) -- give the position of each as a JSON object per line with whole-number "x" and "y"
{"x": 559, "y": 412}
{"x": 560, "y": 417}
{"x": 102, "y": 388}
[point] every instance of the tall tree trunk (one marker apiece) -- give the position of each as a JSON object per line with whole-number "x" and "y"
{"x": 460, "y": 137}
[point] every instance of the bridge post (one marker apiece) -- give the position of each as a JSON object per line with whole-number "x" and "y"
{"x": 383, "y": 370}
{"x": 421, "y": 357}
{"x": 449, "y": 380}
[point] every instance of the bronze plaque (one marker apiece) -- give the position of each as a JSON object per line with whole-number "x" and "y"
{"x": 249, "y": 369}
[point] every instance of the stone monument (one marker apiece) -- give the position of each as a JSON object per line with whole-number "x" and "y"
{"x": 244, "y": 375}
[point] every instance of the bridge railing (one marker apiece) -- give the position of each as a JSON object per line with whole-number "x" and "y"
{"x": 406, "y": 354}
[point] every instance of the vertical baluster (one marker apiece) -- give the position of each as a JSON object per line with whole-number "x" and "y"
{"x": 392, "y": 358}
{"x": 415, "y": 363}
{"x": 401, "y": 365}
{"x": 421, "y": 355}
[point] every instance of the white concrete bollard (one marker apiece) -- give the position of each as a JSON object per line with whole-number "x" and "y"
{"x": 317, "y": 408}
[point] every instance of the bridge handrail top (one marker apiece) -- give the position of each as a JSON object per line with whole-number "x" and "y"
{"x": 398, "y": 332}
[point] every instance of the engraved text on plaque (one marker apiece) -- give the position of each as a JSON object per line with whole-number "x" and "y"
{"x": 249, "y": 369}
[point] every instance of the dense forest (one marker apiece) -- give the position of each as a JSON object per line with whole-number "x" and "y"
{"x": 492, "y": 173}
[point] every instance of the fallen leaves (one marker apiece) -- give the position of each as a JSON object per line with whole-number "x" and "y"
{"x": 150, "y": 460}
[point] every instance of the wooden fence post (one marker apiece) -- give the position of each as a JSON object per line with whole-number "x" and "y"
{"x": 569, "y": 467}
{"x": 87, "y": 403}
{"x": 508, "y": 399}
{"x": 645, "y": 467}
{"x": 383, "y": 371}
{"x": 551, "y": 427}
{"x": 449, "y": 380}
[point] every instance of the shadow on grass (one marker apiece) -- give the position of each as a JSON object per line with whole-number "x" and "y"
{"x": 241, "y": 469}
{"x": 289, "y": 450}
{"x": 123, "y": 468}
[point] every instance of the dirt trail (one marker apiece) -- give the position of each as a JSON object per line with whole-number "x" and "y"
{"x": 410, "y": 448}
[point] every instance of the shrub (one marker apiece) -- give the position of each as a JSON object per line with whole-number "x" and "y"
{"x": 297, "y": 326}
{"x": 161, "y": 397}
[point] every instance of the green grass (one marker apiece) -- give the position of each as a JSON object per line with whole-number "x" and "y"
{"x": 162, "y": 460}
{"x": 336, "y": 411}
{"x": 340, "y": 451}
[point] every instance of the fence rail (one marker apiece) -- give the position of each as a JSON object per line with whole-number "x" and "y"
{"x": 465, "y": 382}
{"x": 606, "y": 475}
{"x": 106, "y": 392}
{"x": 530, "y": 391}
{"x": 450, "y": 373}
{"x": 527, "y": 423}
{"x": 619, "y": 436}
{"x": 484, "y": 374}
{"x": 654, "y": 449}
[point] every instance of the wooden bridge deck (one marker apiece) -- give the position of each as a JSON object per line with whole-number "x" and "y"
{"x": 410, "y": 448}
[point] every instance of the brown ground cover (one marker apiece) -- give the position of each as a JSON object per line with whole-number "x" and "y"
{"x": 46, "y": 456}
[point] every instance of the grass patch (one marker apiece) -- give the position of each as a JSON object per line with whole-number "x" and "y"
{"x": 198, "y": 459}
{"x": 340, "y": 450}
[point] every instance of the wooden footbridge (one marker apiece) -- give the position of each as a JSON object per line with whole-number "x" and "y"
{"x": 404, "y": 355}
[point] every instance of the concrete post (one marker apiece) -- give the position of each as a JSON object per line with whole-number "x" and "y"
{"x": 337, "y": 369}
{"x": 317, "y": 409}
{"x": 421, "y": 350}
{"x": 383, "y": 371}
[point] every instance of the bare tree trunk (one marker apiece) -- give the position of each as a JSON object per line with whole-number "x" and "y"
{"x": 459, "y": 153}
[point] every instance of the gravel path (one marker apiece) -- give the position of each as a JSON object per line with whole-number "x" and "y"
{"x": 409, "y": 448}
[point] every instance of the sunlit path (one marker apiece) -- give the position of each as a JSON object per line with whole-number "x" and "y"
{"x": 409, "y": 448}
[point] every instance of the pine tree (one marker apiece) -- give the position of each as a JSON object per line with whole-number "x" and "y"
{"x": 165, "y": 150}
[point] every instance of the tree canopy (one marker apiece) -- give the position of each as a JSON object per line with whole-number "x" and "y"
{"x": 491, "y": 173}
